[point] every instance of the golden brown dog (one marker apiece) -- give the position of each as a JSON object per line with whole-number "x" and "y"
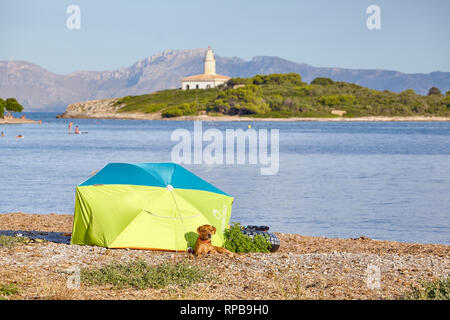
{"x": 203, "y": 244}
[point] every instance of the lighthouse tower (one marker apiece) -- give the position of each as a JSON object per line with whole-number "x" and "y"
{"x": 209, "y": 62}
{"x": 209, "y": 78}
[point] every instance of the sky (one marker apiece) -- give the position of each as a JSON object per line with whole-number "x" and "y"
{"x": 414, "y": 34}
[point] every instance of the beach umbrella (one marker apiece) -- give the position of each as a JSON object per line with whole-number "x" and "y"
{"x": 147, "y": 206}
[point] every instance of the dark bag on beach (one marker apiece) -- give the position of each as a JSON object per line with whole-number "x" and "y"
{"x": 252, "y": 231}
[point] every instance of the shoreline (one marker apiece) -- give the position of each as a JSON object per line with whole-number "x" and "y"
{"x": 109, "y": 109}
{"x": 143, "y": 116}
{"x": 304, "y": 267}
{"x": 18, "y": 121}
{"x": 46, "y": 222}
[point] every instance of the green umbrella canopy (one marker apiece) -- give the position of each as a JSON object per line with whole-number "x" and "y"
{"x": 147, "y": 206}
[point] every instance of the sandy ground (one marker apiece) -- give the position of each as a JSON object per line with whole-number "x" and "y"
{"x": 304, "y": 267}
{"x": 16, "y": 121}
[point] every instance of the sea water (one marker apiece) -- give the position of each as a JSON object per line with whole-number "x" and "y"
{"x": 383, "y": 180}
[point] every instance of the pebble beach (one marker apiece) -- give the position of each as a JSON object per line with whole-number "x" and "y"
{"x": 303, "y": 268}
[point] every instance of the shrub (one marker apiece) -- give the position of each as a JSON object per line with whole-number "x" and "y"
{"x": 237, "y": 81}
{"x": 322, "y": 81}
{"x": 275, "y": 78}
{"x": 434, "y": 91}
{"x": 8, "y": 290}
{"x": 258, "y": 79}
{"x": 431, "y": 290}
{"x": 172, "y": 113}
{"x": 9, "y": 242}
{"x": 140, "y": 275}
{"x": 275, "y": 102}
{"x": 408, "y": 92}
{"x": 218, "y": 105}
{"x": 334, "y": 100}
{"x": 306, "y": 91}
{"x": 447, "y": 101}
{"x": 237, "y": 242}
{"x": 154, "y": 107}
{"x": 280, "y": 78}
{"x": 247, "y": 109}
{"x": 240, "y": 101}
{"x": 2, "y": 107}
{"x": 184, "y": 109}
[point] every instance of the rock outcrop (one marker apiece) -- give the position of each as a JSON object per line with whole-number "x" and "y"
{"x": 103, "y": 109}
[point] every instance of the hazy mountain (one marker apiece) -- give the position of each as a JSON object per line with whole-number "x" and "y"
{"x": 39, "y": 89}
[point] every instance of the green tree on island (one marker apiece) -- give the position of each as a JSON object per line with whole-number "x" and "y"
{"x": 434, "y": 91}
{"x": 322, "y": 81}
{"x": 2, "y": 107}
{"x": 12, "y": 105}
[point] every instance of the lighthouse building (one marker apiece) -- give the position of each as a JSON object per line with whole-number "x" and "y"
{"x": 209, "y": 78}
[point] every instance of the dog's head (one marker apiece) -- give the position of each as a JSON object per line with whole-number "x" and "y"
{"x": 206, "y": 231}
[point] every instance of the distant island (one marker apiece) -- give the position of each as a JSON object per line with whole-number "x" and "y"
{"x": 39, "y": 89}
{"x": 274, "y": 96}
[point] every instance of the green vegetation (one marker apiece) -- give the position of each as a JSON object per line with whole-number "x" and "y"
{"x": 7, "y": 290}
{"x": 2, "y": 107}
{"x": 431, "y": 290}
{"x": 10, "y": 105}
{"x": 237, "y": 242}
{"x": 434, "y": 91}
{"x": 286, "y": 95}
{"x": 172, "y": 103}
{"x": 9, "y": 242}
{"x": 140, "y": 275}
{"x": 322, "y": 81}
{"x": 241, "y": 101}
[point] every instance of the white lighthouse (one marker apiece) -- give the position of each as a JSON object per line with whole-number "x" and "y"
{"x": 209, "y": 63}
{"x": 209, "y": 78}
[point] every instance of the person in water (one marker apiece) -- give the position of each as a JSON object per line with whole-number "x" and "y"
{"x": 3, "y": 134}
{"x": 77, "y": 131}
{"x": 70, "y": 126}
{"x": 19, "y": 136}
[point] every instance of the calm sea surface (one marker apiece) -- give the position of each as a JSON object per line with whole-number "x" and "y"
{"x": 387, "y": 181}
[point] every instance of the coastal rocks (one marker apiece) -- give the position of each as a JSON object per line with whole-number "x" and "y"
{"x": 339, "y": 113}
{"x": 90, "y": 109}
{"x": 362, "y": 238}
{"x": 104, "y": 109}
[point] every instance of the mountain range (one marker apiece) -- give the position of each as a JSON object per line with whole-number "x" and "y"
{"x": 41, "y": 90}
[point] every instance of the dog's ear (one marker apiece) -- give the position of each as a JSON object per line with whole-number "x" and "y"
{"x": 214, "y": 229}
{"x": 198, "y": 230}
